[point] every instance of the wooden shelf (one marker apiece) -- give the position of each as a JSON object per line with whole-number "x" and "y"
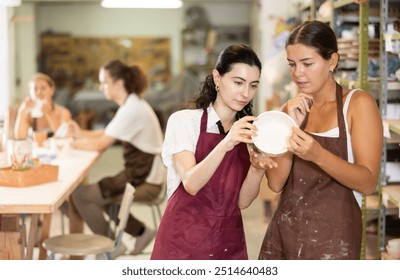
{"x": 394, "y": 138}
{"x": 373, "y": 209}
{"x": 394, "y": 125}
{"x": 394, "y": 36}
{"x": 391, "y": 194}
{"x": 304, "y": 6}
{"x": 372, "y": 203}
{"x": 340, "y": 3}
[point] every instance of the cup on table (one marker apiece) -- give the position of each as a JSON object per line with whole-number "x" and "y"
{"x": 39, "y": 136}
{"x": 60, "y": 146}
{"x": 21, "y": 154}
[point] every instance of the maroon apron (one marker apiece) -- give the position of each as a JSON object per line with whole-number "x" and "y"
{"x": 208, "y": 225}
{"x": 317, "y": 217}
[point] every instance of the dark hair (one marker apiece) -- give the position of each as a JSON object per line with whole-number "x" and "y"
{"x": 315, "y": 34}
{"x": 135, "y": 80}
{"x": 228, "y": 57}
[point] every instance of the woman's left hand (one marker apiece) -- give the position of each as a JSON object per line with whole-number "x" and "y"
{"x": 303, "y": 145}
{"x": 259, "y": 159}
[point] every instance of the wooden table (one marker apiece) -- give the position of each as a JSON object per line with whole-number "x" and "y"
{"x": 394, "y": 125}
{"x": 47, "y": 198}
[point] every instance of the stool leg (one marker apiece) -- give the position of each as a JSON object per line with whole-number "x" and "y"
{"x": 62, "y": 223}
{"x": 51, "y": 256}
{"x": 158, "y": 212}
{"x": 154, "y": 216}
{"x": 110, "y": 216}
{"x": 113, "y": 217}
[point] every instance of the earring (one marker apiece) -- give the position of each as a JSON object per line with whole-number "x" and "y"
{"x": 217, "y": 88}
{"x": 331, "y": 70}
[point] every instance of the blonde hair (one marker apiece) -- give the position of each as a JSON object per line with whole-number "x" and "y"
{"x": 42, "y": 76}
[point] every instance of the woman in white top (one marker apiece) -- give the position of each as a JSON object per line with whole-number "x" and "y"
{"x": 318, "y": 216}
{"x": 38, "y": 111}
{"x": 136, "y": 125}
{"x": 210, "y": 177}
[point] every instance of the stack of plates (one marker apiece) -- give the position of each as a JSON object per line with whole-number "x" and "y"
{"x": 274, "y": 130}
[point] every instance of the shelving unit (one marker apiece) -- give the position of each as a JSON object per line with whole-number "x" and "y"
{"x": 202, "y": 44}
{"x": 367, "y": 50}
{"x": 197, "y": 45}
{"x": 346, "y": 16}
{"x": 309, "y": 11}
{"x": 390, "y": 193}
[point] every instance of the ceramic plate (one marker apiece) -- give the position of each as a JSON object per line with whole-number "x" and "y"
{"x": 274, "y": 129}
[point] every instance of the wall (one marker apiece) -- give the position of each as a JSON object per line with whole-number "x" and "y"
{"x": 25, "y": 50}
{"x": 89, "y": 19}
{"x": 270, "y": 12}
{"x": 5, "y": 52}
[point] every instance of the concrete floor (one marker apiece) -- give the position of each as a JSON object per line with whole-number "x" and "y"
{"x": 253, "y": 218}
{"x": 111, "y": 162}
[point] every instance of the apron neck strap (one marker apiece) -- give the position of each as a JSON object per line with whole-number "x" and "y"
{"x": 204, "y": 120}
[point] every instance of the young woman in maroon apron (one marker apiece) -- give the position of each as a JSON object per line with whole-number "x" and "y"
{"x": 318, "y": 216}
{"x": 202, "y": 219}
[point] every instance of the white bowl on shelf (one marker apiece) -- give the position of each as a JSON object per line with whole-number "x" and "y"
{"x": 394, "y": 243}
{"x": 393, "y": 252}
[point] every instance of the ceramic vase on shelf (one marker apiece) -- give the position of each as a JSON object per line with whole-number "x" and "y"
{"x": 40, "y": 136}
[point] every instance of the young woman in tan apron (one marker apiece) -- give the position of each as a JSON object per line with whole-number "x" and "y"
{"x": 332, "y": 157}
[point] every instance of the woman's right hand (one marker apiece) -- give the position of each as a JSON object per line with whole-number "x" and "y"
{"x": 27, "y": 106}
{"x": 241, "y": 131}
{"x": 73, "y": 129}
{"x": 298, "y": 107}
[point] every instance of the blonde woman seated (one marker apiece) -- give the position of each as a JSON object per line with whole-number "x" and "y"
{"x": 38, "y": 111}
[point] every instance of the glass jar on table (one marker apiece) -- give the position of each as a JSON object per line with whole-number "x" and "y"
{"x": 21, "y": 154}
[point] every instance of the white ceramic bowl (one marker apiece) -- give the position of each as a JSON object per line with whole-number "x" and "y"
{"x": 274, "y": 129}
{"x": 393, "y": 252}
{"x": 394, "y": 243}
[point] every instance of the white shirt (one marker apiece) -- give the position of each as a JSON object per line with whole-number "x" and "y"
{"x": 136, "y": 123}
{"x": 182, "y": 133}
{"x": 334, "y": 133}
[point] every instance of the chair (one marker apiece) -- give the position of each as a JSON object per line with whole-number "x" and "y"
{"x": 113, "y": 207}
{"x": 155, "y": 204}
{"x": 80, "y": 244}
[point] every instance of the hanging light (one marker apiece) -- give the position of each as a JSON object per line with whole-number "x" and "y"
{"x": 150, "y": 4}
{"x": 10, "y": 3}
